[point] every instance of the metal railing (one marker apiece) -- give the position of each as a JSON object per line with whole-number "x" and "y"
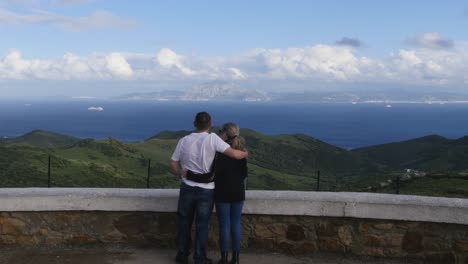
{"x": 150, "y": 174}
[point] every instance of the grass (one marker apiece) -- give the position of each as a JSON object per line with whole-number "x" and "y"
{"x": 284, "y": 162}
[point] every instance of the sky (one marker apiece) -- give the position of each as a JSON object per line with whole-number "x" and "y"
{"x": 99, "y": 48}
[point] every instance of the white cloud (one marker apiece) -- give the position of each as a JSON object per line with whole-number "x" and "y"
{"x": 69, "y": 67}
{"x": 313, "y": 62}
{"x": 429, "y": 66}
{"x": 238, "y": 74}
{"x": 169, "y": 59}
{"x": 118, "y": 66}
{"x": 37, "y": 3}
{"x": 317, "y": 63}
{"x": 431, "y": 40}
{"x": 409, "y": 58}
{"x": 71, "y": 2}
{"x": 96, "y": 20}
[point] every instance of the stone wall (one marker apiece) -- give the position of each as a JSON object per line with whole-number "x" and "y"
{"x": 298, "y": 235}
{"x": 425, "y": 229}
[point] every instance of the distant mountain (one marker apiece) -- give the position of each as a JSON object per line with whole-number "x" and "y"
{"x": 165, "y": 95}
{"x": 368, "y": 96}
{"x": 42, "y": 139}
{"x": 316, "y": 97}
{"x": 243, "y": 92}
{"x": 224, "y": 91}
{"x": 209, "y": 91}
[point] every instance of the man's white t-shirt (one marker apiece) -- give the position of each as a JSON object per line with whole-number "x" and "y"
{"x": 196, "y": 152}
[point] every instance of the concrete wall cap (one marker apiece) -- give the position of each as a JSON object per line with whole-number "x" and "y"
{"x": 355, "y": 197}
{"x": 337, "y": 204}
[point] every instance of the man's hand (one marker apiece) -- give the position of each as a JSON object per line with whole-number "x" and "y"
{"x": 176, "y": 170}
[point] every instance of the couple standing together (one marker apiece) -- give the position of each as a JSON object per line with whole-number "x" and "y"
{"x": 212, "y": 169}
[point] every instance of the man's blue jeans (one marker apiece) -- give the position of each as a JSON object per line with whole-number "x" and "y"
{"x": 229, "y": 218}
{"x": 193, "y": 202}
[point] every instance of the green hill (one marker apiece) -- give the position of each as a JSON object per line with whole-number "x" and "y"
{"x": 23, "y": 166}
{"x": 109, "y": 147}
{"x": 170, "y": 134}
{"x": 301, "y": 154}
{"x": 443, "y": 163}
{"x": 281, "y": 162}
{"x": 292, "y": 161}
{"x": 431, "y": 153}
{"x": 41, "y": 139}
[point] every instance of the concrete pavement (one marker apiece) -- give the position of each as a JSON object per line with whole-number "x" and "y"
{"x": 160, "y": 256}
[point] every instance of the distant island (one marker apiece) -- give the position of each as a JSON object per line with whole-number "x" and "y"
{"x": 210, "y": 91}
{"x": 240, "y": 92}
{"x": 431, "y": 165}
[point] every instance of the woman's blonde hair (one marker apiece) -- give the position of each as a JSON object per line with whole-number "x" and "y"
{"x": 233, "y": 136}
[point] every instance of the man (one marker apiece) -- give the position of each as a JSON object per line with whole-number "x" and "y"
{"x": 196, "y": 153}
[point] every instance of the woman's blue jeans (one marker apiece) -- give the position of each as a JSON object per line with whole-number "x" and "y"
{"x": 229, "y": 219}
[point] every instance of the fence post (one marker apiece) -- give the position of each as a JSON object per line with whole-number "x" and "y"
{"x": 48, "y": 173}
{"x": 148, "y": 175}
{"x": 318, "y": 180}
{"x": 398, "y": 184}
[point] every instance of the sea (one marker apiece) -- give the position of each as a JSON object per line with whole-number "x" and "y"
{"x": 344, "y": 125}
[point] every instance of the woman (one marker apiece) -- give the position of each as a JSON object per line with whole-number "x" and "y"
{"x": 229, "y": 194}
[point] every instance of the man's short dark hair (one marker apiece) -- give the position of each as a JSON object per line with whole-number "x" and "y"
{"x": 202, "y": 121}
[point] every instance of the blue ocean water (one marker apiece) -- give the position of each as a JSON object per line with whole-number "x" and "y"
{"x": 344, "y": 125}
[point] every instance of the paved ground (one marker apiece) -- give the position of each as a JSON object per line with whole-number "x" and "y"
{"x": 153, "y": 256}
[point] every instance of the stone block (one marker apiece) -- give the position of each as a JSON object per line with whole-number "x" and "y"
{"x": 295, "y": 233}
{"x": 98, "y": 222}
{"x": 365, "y": 228}
{"x": 372, "y": 252}
{"x": 412, "y": 242}
{"x": 383, "y": 226}
{"x": 392, "y": 252}
{"x": 285, "y": 247}
{"x": 408, "y": 225}
{"x": 83, "y": 239}
{"x": 345, "y": 234}
{"x": 326, "y": 229}
{"x": 394, "y": 240}
{"x": 247, "y": 228}
{"x": 261, "y": 243}
{"x": 11, "y": 226}
{"x": 270, "y": 230}
{"x": 461, "y": 246}
{"x": 266, "y": 219}
{"x": 308, "y": 247}
{"x": 114, "y": 236}
{"x": 330, "y": 245}
{"x": 435, "y": 244}
{"x": 64, "y": 221}
{"x": 374, "y": 241}
{"x": 440, "y": 257}
{"x": 54, "y": 238}
{"x": 133, "y": 224}
{"x": 167, "y": 224}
